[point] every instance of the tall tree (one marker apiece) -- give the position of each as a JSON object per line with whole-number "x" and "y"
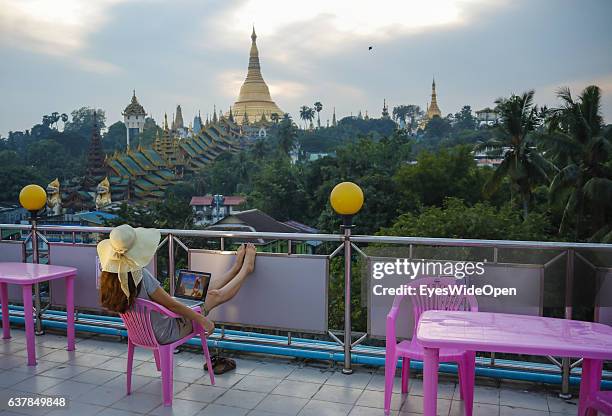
{"x": 286, "y": 134}
{"x": 414, "y": 113}
{"x": 464, "y": 119}
{"x": 318, "y": 107}
{"x": 305, "y": 113}
{"x": 581, "y": 148}
{"x": 515, "y": 143}
{"x": 399, "y": 114}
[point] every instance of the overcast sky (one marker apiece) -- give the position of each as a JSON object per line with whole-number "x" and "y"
{"x": 58, "y": 55}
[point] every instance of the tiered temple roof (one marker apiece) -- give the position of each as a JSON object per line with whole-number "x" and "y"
{"x": 96, "y": 171}
{"x": 134, "y": 108}
{"x": 144, "y": 173}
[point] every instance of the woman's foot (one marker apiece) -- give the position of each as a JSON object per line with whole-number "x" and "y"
{"x": 240, "y": 253}
{"x": 249, "y": 258}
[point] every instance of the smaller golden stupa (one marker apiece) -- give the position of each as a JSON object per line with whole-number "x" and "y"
{"x": 433, "y": 109}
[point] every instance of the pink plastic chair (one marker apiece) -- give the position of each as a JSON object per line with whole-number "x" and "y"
{"x": 407, "y": 350}
{"x": 599, "y": 401}
{"x": 140, "y": 333}
{"x": 592, "y": 399}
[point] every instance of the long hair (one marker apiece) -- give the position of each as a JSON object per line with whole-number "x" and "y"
{"x": 111, "y": 295}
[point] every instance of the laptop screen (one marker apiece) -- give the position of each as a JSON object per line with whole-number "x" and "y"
{"x": 192, "y": 285}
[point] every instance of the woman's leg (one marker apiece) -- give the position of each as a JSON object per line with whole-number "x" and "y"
{"x": 216, "y": 297}
{"x": 219, "y": 281}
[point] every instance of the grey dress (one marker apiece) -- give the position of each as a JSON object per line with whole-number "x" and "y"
{"x": 166, "y": 329}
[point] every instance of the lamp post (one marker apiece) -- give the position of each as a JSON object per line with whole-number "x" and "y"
{"x": 346, "y": 199}
{"x": 34, "y": 198}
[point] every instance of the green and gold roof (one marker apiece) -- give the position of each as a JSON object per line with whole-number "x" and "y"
{"x": 147, "y": 171}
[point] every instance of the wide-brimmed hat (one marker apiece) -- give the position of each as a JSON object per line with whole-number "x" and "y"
{"x": 128, "y": 250}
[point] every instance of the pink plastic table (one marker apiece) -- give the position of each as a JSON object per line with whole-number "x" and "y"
{"x": 516, "y": 334}
{"x": 27, "y": 274}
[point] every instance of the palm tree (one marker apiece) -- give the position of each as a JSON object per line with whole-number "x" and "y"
{"x": 305, "y": 113}
{"x": 580, "y": 146}
{"x": 318, "y": 107}
{"x": 521, "y": 162}
{"x": 286, "y": 134}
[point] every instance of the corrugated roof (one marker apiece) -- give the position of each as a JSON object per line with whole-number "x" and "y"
{"x": 258, "y": 220}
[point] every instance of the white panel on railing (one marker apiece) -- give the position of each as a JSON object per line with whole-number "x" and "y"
{"x": 13, "y": 251}
{"x": 604, "y": 298}
{"x": 284, "y": 292}
{"x": 528, "y": 280}
{"x": 84, "y": 258}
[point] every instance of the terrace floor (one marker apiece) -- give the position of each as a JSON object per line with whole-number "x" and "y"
{"x": 93, "y": 378}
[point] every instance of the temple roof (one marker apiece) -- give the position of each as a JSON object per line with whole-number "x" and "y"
{"x": 134, "y": 108}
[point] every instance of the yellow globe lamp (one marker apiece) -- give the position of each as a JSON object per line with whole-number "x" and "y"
{"x": 33, "y": 198}
{"x": 346, "y": 198}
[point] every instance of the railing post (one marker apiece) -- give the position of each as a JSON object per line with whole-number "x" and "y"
{"x": 569, "y": 294}
{"x": 347, "y": 301}
{"x": 36, "y": 259}
{"x": 171, "y": 271}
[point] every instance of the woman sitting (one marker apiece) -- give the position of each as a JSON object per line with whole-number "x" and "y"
{"x": 123, "y": 258}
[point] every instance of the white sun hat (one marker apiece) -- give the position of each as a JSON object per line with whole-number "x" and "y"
{"x": 128, "y": 250}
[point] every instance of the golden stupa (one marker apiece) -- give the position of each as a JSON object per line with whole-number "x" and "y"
{"x": 433, "y": 110}
{"x": 254, "y": 98}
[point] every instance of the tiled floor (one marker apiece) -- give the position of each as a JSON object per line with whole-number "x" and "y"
{"x": 93, "y": 379}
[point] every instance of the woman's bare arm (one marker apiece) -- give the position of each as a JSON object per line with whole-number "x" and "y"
{"x": 160, "y": 296}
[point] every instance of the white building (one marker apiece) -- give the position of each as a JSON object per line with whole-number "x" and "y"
{"x": 134, "y": 119}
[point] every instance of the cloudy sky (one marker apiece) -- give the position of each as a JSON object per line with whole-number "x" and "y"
{"x": 58, "y": 55}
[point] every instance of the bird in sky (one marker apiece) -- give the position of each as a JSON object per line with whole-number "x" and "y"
{"x": 370, "y": 48}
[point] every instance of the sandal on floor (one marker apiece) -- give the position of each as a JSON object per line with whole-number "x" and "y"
{"x": 221, "y": 365}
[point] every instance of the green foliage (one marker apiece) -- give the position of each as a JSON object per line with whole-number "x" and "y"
{"x": 13, "y": 178}
{"x": 278, "y": 190}
{"x": 437, "y": 127}
{"x": 516, "y": 143}
{"x": 82, "y": 121}
{"x": 456, "y": 219}
{"x": 581, "y": 147}
{"x": 115, "y": 137}
{"x": 435, "y": 176}
{"x": 349, "y": 130}
{"x": 464, "y": 120}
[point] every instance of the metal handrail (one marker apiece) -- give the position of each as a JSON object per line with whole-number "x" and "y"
{"x": 463, "y": 242}
{"x": 186, "y": 233}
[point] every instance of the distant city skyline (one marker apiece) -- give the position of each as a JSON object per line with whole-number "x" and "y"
{"x": 65, "y": 54}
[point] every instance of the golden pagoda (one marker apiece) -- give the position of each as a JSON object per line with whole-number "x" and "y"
{"x": 254, "y": 99}
{"x": 433, "y": 109}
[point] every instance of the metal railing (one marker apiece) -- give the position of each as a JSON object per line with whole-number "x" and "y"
{"x": 347, "y": 243}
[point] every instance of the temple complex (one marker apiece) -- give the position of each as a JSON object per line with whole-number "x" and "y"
{"x": 433, "y": 110}
{"x": 144, "y": 173}
{"x": 254, "y": 102}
